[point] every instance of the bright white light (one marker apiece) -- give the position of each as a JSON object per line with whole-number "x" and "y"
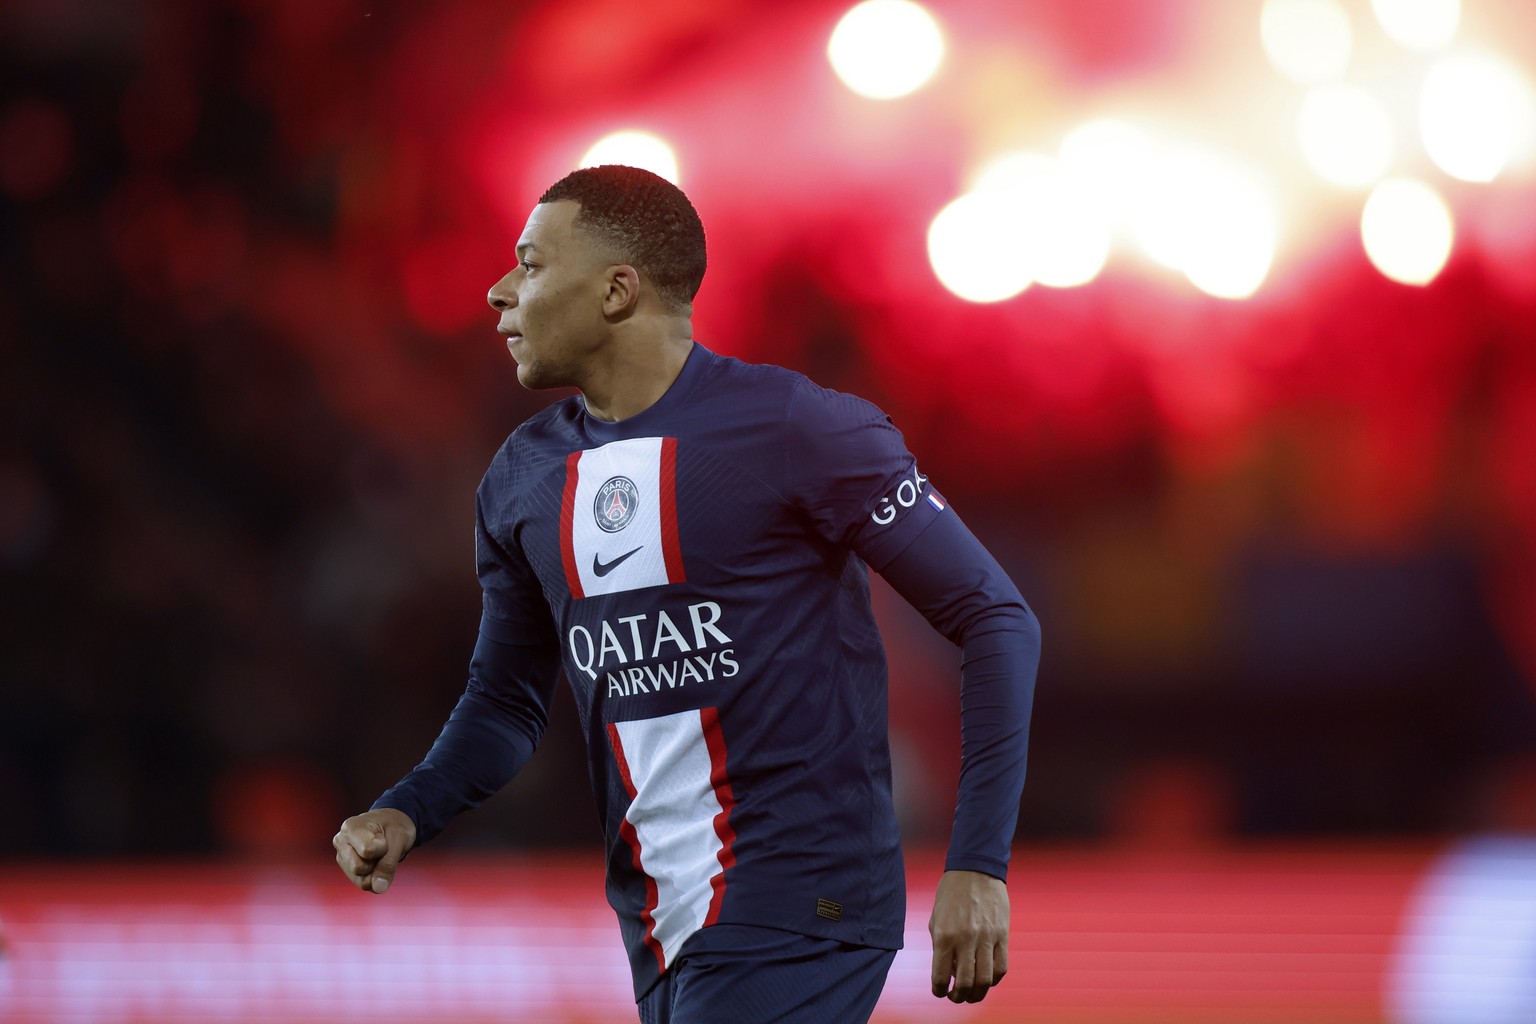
{"x": 1111, "y": 159}
{"x": 1407, "y": 230}
{"x": 1419, "y": 24}
{"x": 883, "y": 49}
{"x": 1103, "y": 146}
{"x": 1171, "y": 197}
{"x": 1063, "y": 229}
{"x": 1235, "y": 242}
{"x": 634, "y": 149}
{"x": 1015, "y": 172}
{"x": 1306, "y": 40}
{"x": 1061, "y": 225}
{"x": 1210, "y": 219}
{"x": 973, "y": 247}
{"x": 1345, "y": 134}
{"x": 1475, "y": 113}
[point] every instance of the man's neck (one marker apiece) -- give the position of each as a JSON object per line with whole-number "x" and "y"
{"x": 635, "y": 377}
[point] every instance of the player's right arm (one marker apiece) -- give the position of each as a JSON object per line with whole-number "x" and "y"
{"x": 491, "y": 733}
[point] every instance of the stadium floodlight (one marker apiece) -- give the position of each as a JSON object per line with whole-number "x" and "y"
{"x": 1407, "y": 231}
{"x": 1419, "y": 24}
{"x": 1345, "y": 135}
{"x": 1207, "y": 216}
{"x": 1473, "y": 113}
{"x": 1063, "y": 230}
{"x": 974, "y": 250}
{"x": 1308, "y": 41}
{"x": 883, "y": 49}
{"x": 634, "y": 149}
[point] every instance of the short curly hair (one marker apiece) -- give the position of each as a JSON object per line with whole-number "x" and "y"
{"x": 648, "y": 221}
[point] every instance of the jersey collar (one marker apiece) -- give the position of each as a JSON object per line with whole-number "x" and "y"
{"x": 646, "y": 422}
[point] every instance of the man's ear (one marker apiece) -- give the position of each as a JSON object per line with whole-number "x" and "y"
{"x": 621, "y": 295}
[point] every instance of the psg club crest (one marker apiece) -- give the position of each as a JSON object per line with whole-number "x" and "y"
{"x": 615, "y": 504}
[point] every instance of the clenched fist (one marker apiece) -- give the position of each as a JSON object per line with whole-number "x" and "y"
{"x": 369, "y": 847}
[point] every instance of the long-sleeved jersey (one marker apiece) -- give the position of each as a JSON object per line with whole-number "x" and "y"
{"x": 698, "y": 571}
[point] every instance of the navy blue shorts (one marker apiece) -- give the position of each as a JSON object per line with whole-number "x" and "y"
{"x": 740, "y": 974}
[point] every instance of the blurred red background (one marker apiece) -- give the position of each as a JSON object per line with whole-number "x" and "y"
{"x": 1283, "y": 547}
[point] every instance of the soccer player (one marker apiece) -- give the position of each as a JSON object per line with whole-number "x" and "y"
{"x": 687, "y": 539}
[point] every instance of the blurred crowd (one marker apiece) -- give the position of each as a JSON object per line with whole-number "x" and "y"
{"x": 246, "y": 398}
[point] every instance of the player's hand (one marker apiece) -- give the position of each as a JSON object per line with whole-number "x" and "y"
{"x": 369, "y": 847}
{"x": 969, "y": 927}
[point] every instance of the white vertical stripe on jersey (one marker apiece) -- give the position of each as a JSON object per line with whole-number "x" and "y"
{"x": 673, "y": 813}
{"x": 638, "y": 459}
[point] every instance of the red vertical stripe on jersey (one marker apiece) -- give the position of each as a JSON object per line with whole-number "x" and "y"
{"x": 671, "y": 549}
{"x": 568, "y": 526}
{"x": 627, "y": 830}
{"x": 721, "y": 783}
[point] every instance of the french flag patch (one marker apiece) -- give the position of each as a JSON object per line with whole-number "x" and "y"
{"x": 934, "y": 500}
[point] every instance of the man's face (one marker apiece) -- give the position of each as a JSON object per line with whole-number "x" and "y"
{"x": 551, "y": 303}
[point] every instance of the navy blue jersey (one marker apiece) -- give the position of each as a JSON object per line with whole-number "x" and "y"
{"x": 698, "y": 571}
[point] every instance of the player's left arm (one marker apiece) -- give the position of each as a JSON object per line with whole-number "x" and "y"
{"x": 948, "y": 576}
{"x": 848, "y": 467}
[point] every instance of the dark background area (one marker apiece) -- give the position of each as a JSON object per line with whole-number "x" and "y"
{"x": 1283, "y": 550}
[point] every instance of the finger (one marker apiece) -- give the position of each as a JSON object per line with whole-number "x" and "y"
{"x": 353, "y": 838}
{"x": 983, "y": 978}
{"x": 355, "y": 870}
{"x": 384, "y": 872}
{"x": 362, "y": 863}
{"x": 999, "y": 961}
{"x": 345, "y": 855}
{"x": 377, "y": 845}
{"x": 943, "y": 967}
{"x": 359, "y": 833}
{"x": 353, "y": 853}
{"x": 965, "y": 971}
